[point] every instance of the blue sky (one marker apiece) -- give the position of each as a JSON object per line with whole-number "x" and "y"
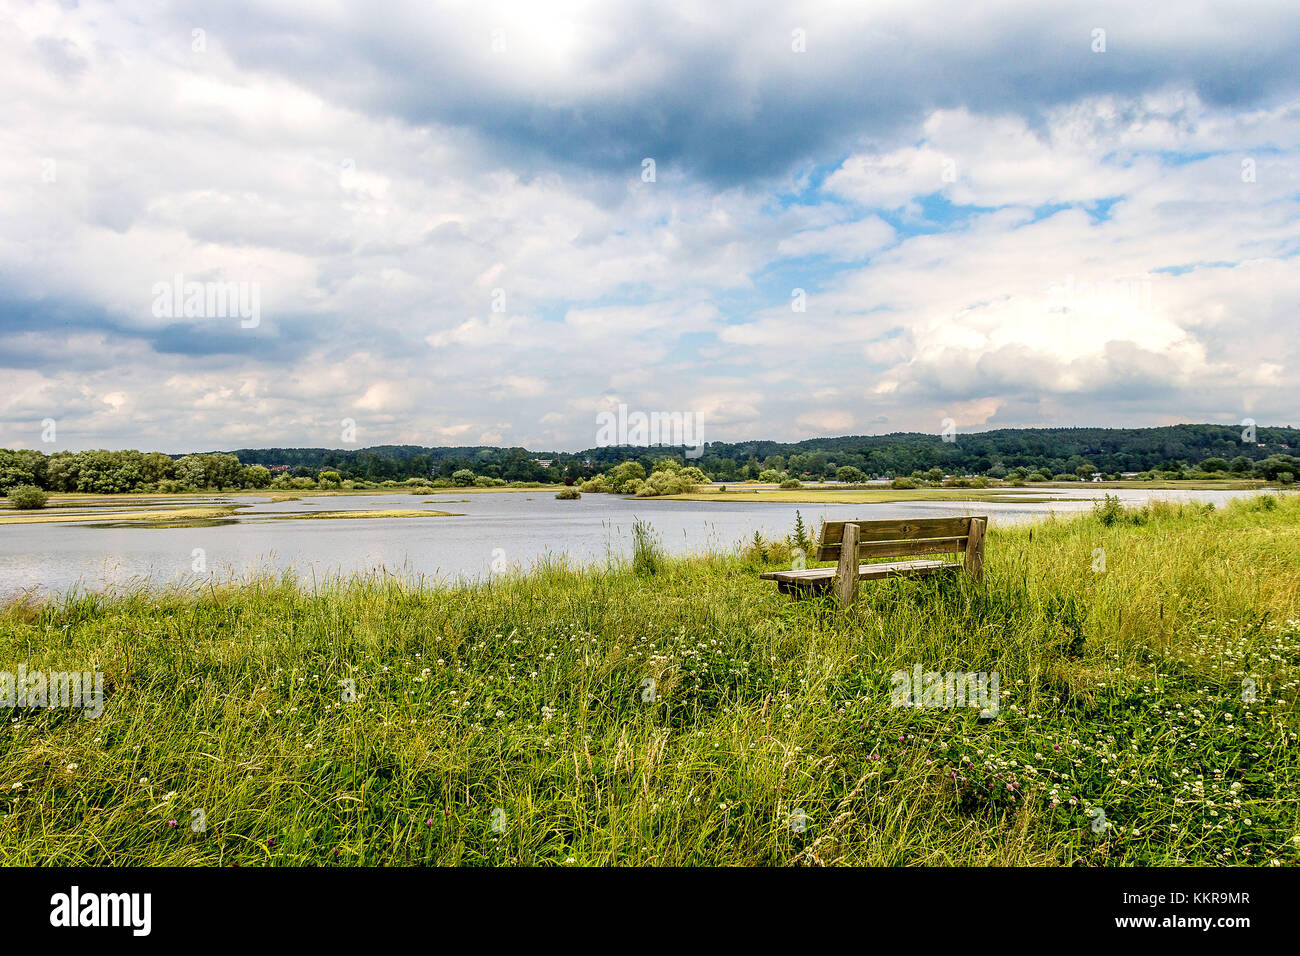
{"x": 1007, "y": 214}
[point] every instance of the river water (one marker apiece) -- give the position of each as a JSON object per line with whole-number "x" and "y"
{"x": 491, "y": 531}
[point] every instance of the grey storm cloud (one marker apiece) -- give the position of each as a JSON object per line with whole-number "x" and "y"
{"x": 726, "y": 98}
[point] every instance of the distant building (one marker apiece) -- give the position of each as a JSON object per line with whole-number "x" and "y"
{"x": 544, "y": 462}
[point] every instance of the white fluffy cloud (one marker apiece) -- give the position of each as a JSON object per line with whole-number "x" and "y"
{"x": 1112, "y": 250}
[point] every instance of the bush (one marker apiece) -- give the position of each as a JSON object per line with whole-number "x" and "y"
{"x": 1109, "y": 510}
{"x": 680, "y": 481}
{"x": 27, "y": 497}
{"x": 626, "y": 478}
{"x": 903, "y": 483}
{"x": 462, "y": 477}
{"x": 790, "y": 483}
{"x": 1285, "y": 477}
{"x": 568, "y": 494}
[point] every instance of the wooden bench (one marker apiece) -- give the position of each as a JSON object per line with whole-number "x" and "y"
{"x": 849, "y": 542}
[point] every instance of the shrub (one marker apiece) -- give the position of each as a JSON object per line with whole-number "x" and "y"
{"x": 1285, "y": 477}
{"x": 27, "y": 497}
{"x": 462, "y": 477}
{"x": 681, "y": 481}
{"x": 904, "y": 483}
{"x": 625, "y": 479}
{"x": 568, "y": 494}
{"x": 1109, "y": 510}
{"x": 791, "y": 483}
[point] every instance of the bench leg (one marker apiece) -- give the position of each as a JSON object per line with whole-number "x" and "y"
{"x": 846, "y": 575}
{"x": 975, "y": 549}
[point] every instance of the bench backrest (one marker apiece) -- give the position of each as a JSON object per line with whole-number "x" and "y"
{"x": 890, "y": 539}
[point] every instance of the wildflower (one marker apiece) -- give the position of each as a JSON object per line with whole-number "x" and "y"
{"x": 70, "y": 767}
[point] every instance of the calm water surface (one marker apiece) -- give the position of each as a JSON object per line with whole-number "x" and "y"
{"x": 515, "y": 528}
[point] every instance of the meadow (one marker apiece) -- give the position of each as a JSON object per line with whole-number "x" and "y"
{"x": 680, "y": 712}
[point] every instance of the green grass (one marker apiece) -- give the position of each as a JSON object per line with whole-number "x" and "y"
{"x": 530, "y": 702}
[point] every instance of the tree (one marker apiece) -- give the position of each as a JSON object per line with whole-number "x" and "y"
{"x": 463, "y": 478}
{"x": 848, "y": 474}
{"x": 191, "y": 472}
{"x": 1086, "y": 471}
{"x": 255, "y": 476}
{"x": 155, "y": 467}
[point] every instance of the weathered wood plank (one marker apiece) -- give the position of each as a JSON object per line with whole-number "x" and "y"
{"x": 880, "y": 531}
{"x": 846, "y": 575}
{"x": 814, "y": 577}
{"x": 975, "y": 549}
{"x": 901, "y": 549}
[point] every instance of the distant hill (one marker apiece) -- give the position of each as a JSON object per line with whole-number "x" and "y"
{"x": 1054, "y": 449}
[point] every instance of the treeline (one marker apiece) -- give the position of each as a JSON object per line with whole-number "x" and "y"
{"x": 1169, "y": 451}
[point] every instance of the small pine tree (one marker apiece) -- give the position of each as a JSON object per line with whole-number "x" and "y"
{"x": 801, "y": 534}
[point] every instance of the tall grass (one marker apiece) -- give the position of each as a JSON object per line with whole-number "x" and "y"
{"x": 682, "y": 712}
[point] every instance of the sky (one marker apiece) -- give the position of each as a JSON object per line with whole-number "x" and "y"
{"x": 331, "y": 223}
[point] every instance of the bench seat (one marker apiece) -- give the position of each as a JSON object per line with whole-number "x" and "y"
{"x": 850, "y": 542}
{"x": 819, "y": 579}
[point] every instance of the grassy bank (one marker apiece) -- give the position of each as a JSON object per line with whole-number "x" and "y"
{"x": 517, "y": 722}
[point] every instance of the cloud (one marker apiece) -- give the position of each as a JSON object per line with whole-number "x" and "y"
{"x": 451, "y": 236}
